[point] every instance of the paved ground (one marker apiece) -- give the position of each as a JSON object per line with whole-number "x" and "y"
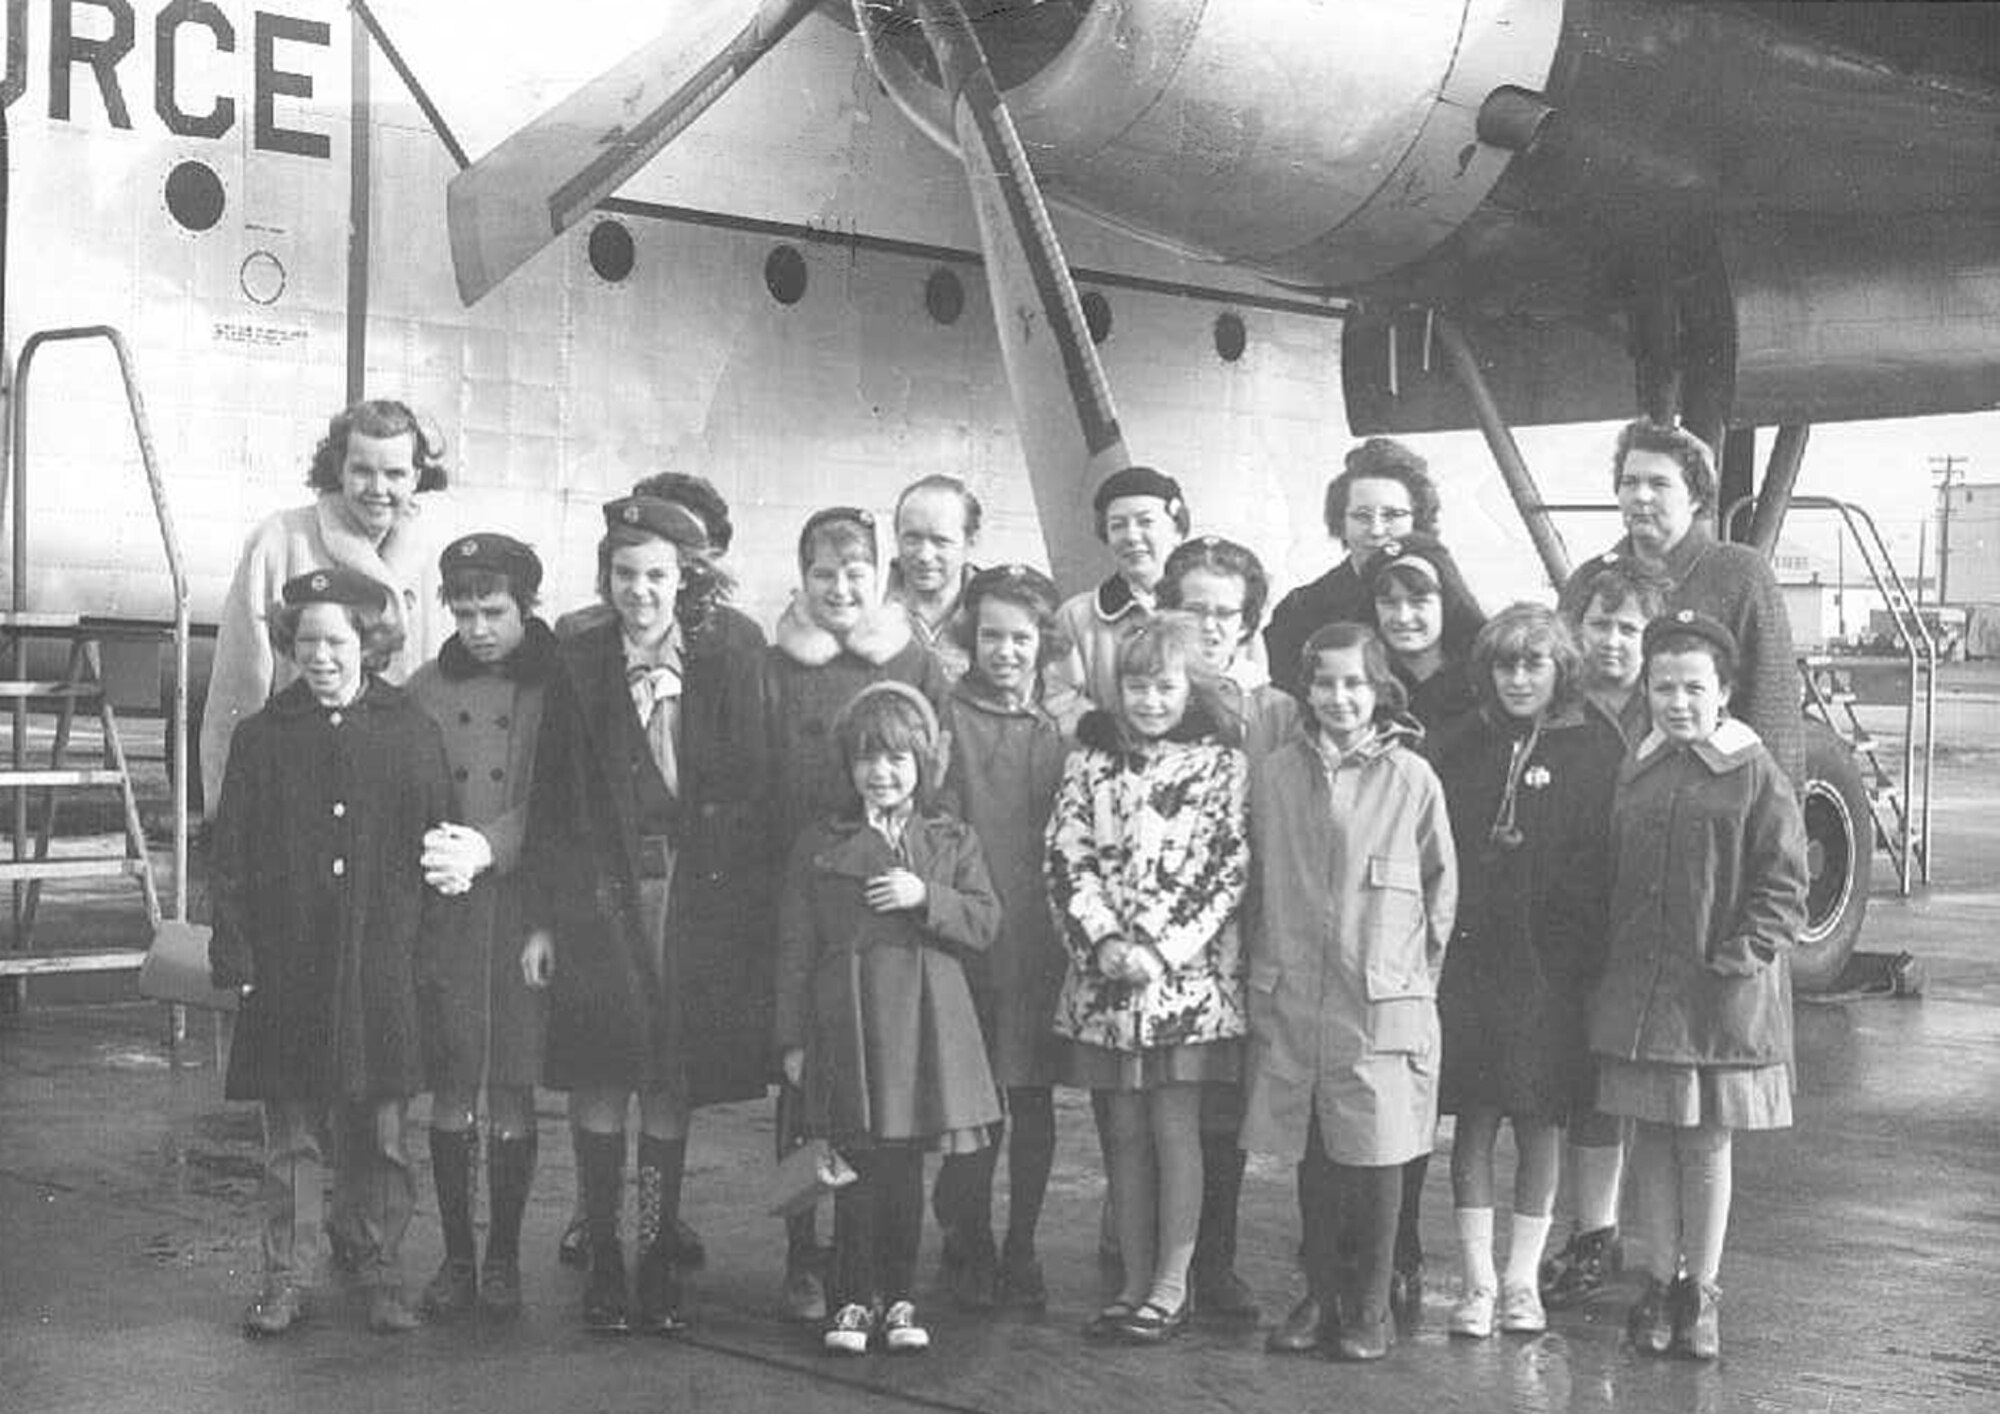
{"x": 1863, "y": 1271}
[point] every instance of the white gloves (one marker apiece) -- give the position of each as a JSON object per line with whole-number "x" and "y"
{"x": 453, "y": 856}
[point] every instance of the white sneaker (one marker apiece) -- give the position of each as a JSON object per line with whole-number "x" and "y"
{"x": 847, "y": 1333}
{"x": 1472, "y": 1314}
{"x": 900, "y": 1332}
{"x": 1521, "y": 1310}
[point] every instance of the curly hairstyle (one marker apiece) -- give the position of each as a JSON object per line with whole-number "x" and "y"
{"x": 1626, "y": 580}
{"x": 381, "y": 636}
{"x": 1220, "y": 557}
{"x": 1391, "y": 698}
{"x": 1517, "y": 632}
{"x": 1383, "y": 459}
{"x": 376, "y": 417}
{"x": 1690, "y": 453}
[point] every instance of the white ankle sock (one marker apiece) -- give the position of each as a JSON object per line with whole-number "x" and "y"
{"x": 1528, "y": 1236}
{"x": 1598, "y": 1171}
{"x": 1475, "y": 1248}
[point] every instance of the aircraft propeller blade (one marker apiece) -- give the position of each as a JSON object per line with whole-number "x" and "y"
{"x": 1068, "y": 426}
{"x": 532, "y": 187}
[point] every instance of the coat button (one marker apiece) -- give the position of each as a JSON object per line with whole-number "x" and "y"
{"x": 339, "y": 867}
{"x": 334, "y": 719}
{"x": 502, "y": 722}
{"x": 497, "y": 774}
{"x": 465, "y": 719}
{"x": 458, "y": 773}
{"x": 339, "y": 809}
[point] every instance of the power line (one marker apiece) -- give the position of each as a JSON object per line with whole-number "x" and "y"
{"x": 1949, "y": 470}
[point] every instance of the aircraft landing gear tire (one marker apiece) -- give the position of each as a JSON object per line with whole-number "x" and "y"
{"x": 1840, "y": 856}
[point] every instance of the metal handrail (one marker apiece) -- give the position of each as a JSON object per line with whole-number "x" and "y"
{"x": 1919, "y": 649}
{"x": 169, "y": 541}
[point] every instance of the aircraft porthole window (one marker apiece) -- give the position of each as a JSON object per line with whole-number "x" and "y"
{"x": 785, "y": 275}
{"x": 611, "y": 251}
{"x": 944, "y": 295}
{"x": 261, "y": 277}
{"x": 194, "y": 195}
{"x": 1230, "y": 336}
{"x": 1097, "y": 314}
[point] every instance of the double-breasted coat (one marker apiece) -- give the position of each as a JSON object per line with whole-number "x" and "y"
{"x": 879, "y": 1001}
{"x": 483, "y": 1023}
{"x": 702, "y": 1013}
{"x": 1355, "y": 891}
{"x": 1529, "y": 940}
{"x": 1006, "y": 762}
{"x": 1710, "y": 896}
{"x": 318, "y": 895}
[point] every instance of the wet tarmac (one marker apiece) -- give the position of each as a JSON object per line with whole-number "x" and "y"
{"x": 1862, "y": 1274}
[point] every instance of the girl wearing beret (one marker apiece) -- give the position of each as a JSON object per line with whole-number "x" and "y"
{"x": 1692, "y": 1022}
{"x": 322, "y": 920}
{"x": 483, "y": 1023}
{"x": 647, "y": 903}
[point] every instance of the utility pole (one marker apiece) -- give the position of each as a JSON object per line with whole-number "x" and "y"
{"x": 1950, "y": 471}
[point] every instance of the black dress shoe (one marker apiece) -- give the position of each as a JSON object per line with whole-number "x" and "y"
{"x": 1221, "y": 1295}
{"x": 1152, "y": 1324}
{"x": 1300, "y": 1332}
{"x": 604, "y": 1308}
{"x": 1364, "y": 1340}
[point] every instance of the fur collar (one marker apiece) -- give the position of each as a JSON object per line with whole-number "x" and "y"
{"x": 884, "y": 631}
{"x": 529, "y": 664}
{"x": 1732, "y": 746}
{"x": 1101, "y": 731}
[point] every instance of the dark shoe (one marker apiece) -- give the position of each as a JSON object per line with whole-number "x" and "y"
{"x": 1363, "y": 1340}
{"x": 974, "y": 1282}
{"x": 388, "y": 1314}
{"x": 278, "y": 1307}
{"x": 604, "y": 1309}
{"x": 1021, "y": 1285}
{"x": 343, "y": 1251}
{"x": 573, "y": 1249}
{"x": 1151, "y": 1325}
{"x": 656, "y": 1294}
{"x": 1107, "y": 1322}
{"x": 1221, "y": 1295}
{"x": 1300, "y": 1332}
{"x": 454, "y": 1291}
{"x": 1650, "y": 1322}
{"x": 1586, "y": 1263}
{"x": 1406, "y": 1297}
{"x": 500, "y": 1287}
{"x": 805, "y": 1289}
{"x": 1697, "y": 1332}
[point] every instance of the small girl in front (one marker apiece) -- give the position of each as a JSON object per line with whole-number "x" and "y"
{"x": 323, "y": 922}
{"x": 1147, "y": 863}
{"x": 1692, "y": 1022}
{"x": 876, "y": 1025}
{"x": 1356, "y": 889}
{"x": 1528, "y": 781}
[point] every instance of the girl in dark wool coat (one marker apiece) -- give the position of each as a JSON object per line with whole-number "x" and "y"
{"x": 1528, "y": 780}
{"x": 648, "y": 911}
{"x": 322, "y": 921}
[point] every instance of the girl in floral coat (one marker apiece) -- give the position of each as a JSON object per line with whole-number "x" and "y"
{"x": 1147, "y": 862}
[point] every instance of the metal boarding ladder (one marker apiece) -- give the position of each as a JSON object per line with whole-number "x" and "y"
{"x": 1899, "y": 800}
{"x": 32, "y": 861}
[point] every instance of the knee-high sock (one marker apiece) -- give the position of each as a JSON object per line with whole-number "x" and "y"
{"x": 452, "y": 1153}
{"x": 1599, "y": 1168}
{"x": 963, "y": 1196}
{"x": 1656, "y": 1198}
{"x": 510, "y": 1174}
{"x": 801, "y": 1228}
{"x": 600, "y": 1178}
{"x": 1705, "y": 1188}
{"x": 855, "y": 1209}
{"x": 1319, "y": 1222}
{"x": 1031, "y": 1154}
{"x": 899, "y": 1221}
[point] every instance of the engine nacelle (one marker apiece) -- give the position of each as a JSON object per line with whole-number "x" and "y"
{"x": 1319, "y": 144}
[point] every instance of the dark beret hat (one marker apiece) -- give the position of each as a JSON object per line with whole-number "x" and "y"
{"x": 335, "y": 586}
{"x": 1425, "y": 553}
{"x": 1017, "y": 579}
{"x": 499, "y": 554}
{"x": 1136, "y": 481}
{"x": 669, "y": 520}
{"x": 1686, "y": 623}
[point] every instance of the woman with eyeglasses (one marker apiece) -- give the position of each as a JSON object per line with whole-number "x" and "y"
{"x": 1383, "y": 494}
